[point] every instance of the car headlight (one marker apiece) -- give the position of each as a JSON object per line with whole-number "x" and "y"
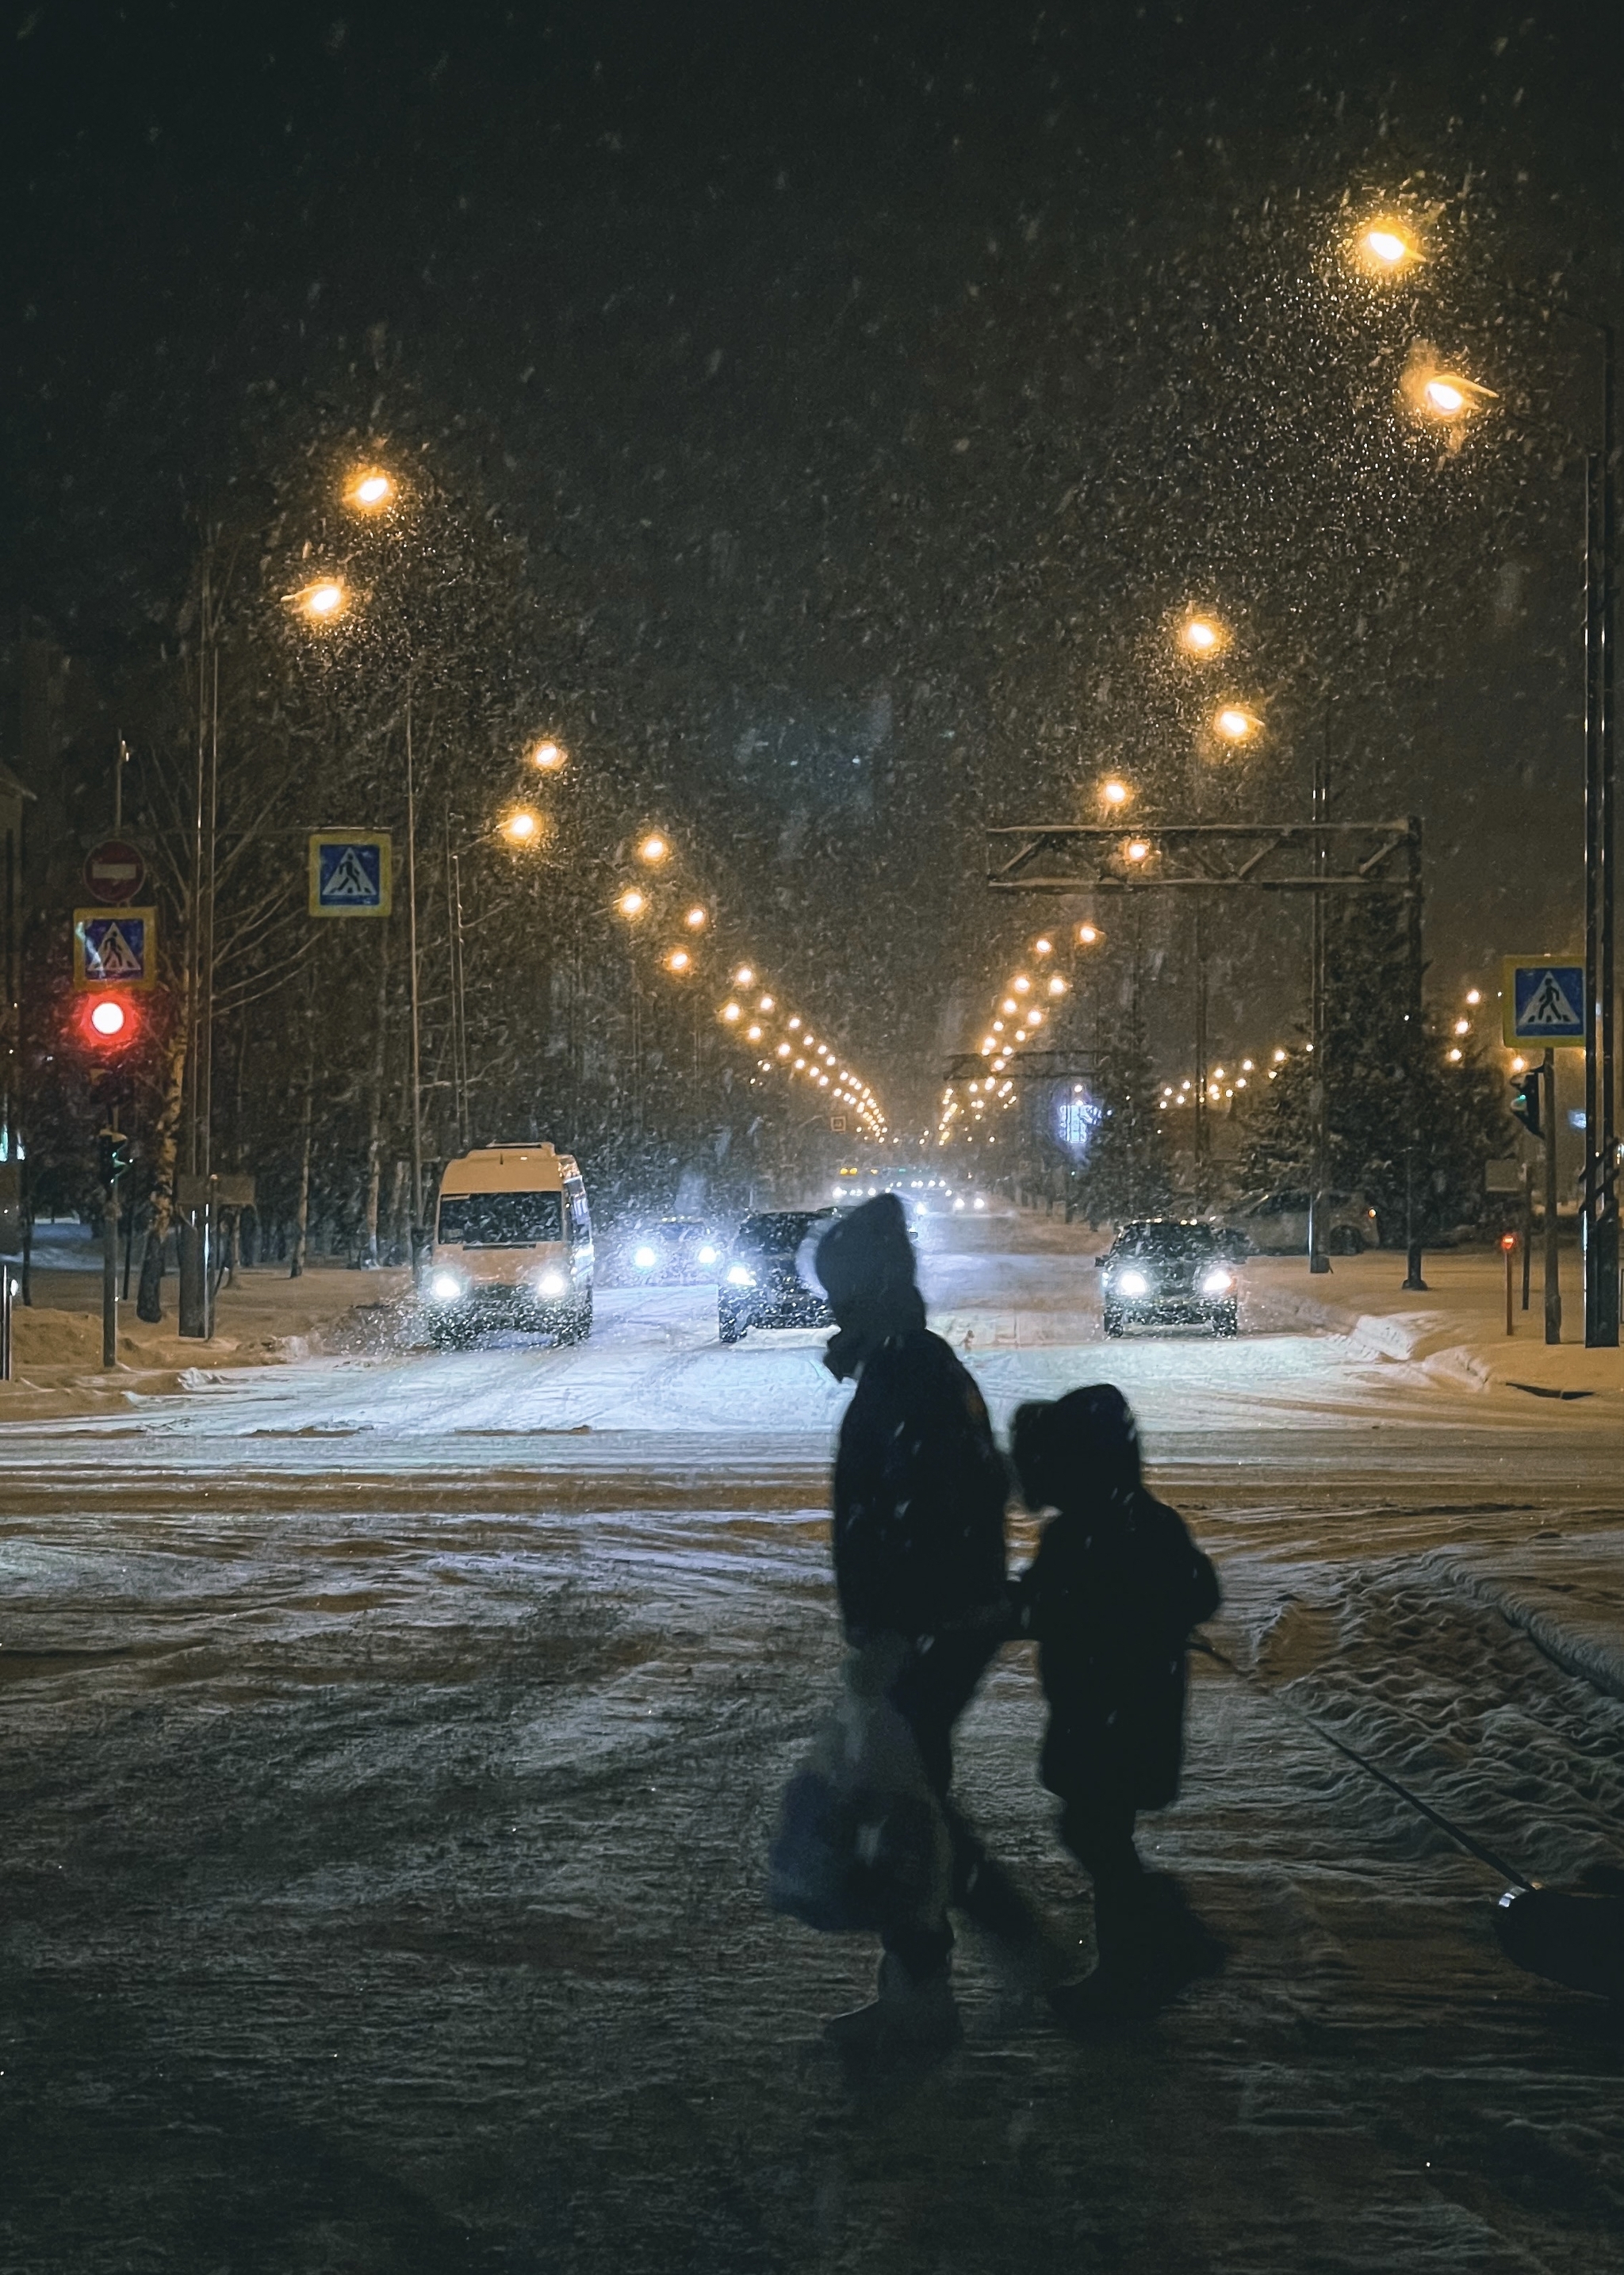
{"x": 1217, "y": 1281}
{"x": 739, "y": 1277}
{"x": 1134, "y": 1283}
{"x": 980, "y": 1202}
{"x": 644, "y": 1258}
{"x": 708, "y": 1256}
{"x": 445, "y": 1286}
{"x": 553, "y": 1283}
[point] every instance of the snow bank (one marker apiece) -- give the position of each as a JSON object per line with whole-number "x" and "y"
{"x": 1566, "y": 1594}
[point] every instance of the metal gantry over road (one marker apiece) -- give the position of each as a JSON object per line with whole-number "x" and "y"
{"x": 1369, "y": 857}
{"x": 1373, "y": 857}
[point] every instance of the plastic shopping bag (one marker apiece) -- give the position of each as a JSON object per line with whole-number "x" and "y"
{"x": 862, "y": 1842}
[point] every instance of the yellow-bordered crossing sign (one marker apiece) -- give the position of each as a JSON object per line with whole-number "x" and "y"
{"x": 115, "y": 947}
{"x": 350, "y": 872}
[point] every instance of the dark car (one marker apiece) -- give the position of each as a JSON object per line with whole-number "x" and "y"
{"x": 761, "y": 1283}
{"x": 680, "y": 1249}
{"x": 1168, "y": 1271}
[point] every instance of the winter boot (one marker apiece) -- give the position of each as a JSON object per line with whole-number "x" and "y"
{"x": 1124, "y": 1984}
{"x": 907, "y": 2018}
{"x": 1151, "y": 1945}
{"x": 1181, "y": 1947}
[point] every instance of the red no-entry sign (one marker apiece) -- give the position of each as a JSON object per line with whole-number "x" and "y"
{"x": 115, "y": 871}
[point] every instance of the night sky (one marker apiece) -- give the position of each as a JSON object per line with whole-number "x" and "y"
{"x": 873, "y": 381}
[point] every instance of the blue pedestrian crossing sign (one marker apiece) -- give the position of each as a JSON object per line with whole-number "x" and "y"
{"x": 350, "y": 872}
{"x": 115, "y": 947}
{"x": 1542, "y": 1002}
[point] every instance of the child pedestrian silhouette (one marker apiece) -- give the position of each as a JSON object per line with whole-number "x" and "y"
{"x": 1110, "y": 1598}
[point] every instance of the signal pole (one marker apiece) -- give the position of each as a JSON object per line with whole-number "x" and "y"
{"x": 1553, "y": 1290}
{"x": 114, "y": 1148}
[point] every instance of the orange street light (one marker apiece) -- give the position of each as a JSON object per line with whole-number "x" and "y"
{"x": 321, "y": 602}
{"x": 631, "y": 902}
{"x": 1114, "y": 793}
{"x": 521, "y": 827}
{"x": 1384, "y": 248}
{"x": 547, "y": 758}
{"x": 679, "y": 960}
{"x": 1235, "y": 723}
{"x": 1136, "y": 850}
{"x": 1202, "y": 636}
{"x": 370, "y": 490}
{"x": 1445, "y": 397}
{"x": 697, "y": 919}
{"x": 653, "y": 849}
{"x": 1087, "y": 935}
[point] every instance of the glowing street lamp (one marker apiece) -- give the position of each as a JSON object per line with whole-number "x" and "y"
{"x": 1136, "y": 850}
{"x": 744, "y": 977}
{"x": 370, "y": 491}
{"x": 522, "y": 828}
{"x": 1445, "y": 397}
{"x": 1088, "y": 935}
{"x": 548, "y": 757}
{"x": 1235, "y": 723}
{"x": 679, "y": 960}
{"x": 1202, "y": 636}
{"x": 322, "y": 601}
{"x": 654, "y": 849}
{"x": 1384, "y": 248}
{"x": 697, "y": 919}
{"x": 631, "y": 902}
{"x": 1113, "y": 793}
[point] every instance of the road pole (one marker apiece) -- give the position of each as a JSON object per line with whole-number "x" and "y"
{"x": 1200, "y": 1139}
{"x": 1528, "y": 1228}
{"x": 1317, "y": 1260}
{"x": 417, "y": 1240}
{"x": 5, "y": 1320}
{"x": 1508, "y": 1247}
{"x": 1600, "y": 1194}
{"x": 190, "y": 1232}
{"x": 110, "y": 1277}
{"x": 1554, "y": 1291}
{"x": 1413, "y": 1281}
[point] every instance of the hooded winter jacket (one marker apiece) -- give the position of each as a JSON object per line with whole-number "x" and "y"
{"x": 919, "y": 1495}
{"x": 1111, "y": 1597}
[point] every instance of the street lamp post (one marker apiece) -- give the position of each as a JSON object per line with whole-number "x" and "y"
{"x": 1601, "y": 1163}
{"x": 1448, "y": 397}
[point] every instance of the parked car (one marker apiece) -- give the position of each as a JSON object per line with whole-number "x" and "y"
{"x": 1170, "y": 1272}
{"x": 674, "y": 1249}
{"x": 765, "y": 1281}
{"x": 1276, "y": 1224}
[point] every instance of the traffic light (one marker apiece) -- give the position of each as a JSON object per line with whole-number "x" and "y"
{"x": 1525, "y": 1100}
{"x": 115, "y": 1155}
{"x": 110, "y": 1024}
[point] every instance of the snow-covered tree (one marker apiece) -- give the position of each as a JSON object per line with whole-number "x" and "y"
{"x": 1398, "y": 1107}
{"x": 1125, "y": 1171}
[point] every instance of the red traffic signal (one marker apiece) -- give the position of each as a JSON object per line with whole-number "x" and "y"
{"x": 110, "y": 1023}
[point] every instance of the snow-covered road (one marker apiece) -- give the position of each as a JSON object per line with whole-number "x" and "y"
{"x": 388, "y": 1743}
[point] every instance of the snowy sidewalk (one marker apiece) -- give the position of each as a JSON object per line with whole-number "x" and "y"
{"x": 266, "y": 1319}
{"x": 1454, "y": 1334}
